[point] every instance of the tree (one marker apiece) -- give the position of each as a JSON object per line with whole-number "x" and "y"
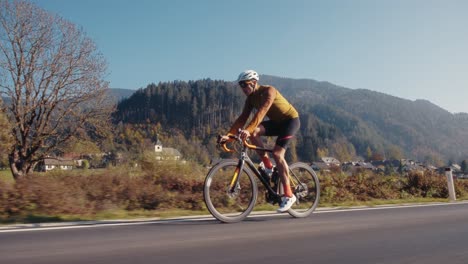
{"x": 53, "y": 74}
{"x": 368, "y": 153}
{"x": 394, "y": 152}
{"x": 377, "y": 156}
{"x": 322, "y": 152}
{"x": 5, "y": 138}
{"x": 464, "y": 166}
{"x": 343, "y": 150}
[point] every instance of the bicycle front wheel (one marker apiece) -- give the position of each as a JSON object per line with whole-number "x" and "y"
{"x": 305, "y": 186}
{"x": 226, "y": 204}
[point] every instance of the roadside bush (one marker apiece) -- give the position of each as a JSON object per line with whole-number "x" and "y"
{"x": 365, "y": 186}
{"x": 361, "y": 186}
{"x": 426, "y": 184}
{"x": 85, "y": 193}
{"x": 333, "y": 188}
{"x": 177, "y": 185}
{"x": 461, "y": 188}
{"x": 8, "y": 201}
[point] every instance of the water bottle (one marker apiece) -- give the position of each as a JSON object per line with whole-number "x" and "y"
{"x": 275, "y": 179}
{"x": 263, "y": 172}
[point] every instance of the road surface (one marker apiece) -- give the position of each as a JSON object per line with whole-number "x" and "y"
{"x": 415, "y": 234}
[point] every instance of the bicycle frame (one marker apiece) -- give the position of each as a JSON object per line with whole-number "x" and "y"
{"x": 245, "y": 159}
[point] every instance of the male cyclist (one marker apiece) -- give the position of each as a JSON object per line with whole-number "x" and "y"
{"x": 283, "y": 122}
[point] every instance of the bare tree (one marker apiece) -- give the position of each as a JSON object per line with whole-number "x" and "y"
{"x": 5, "y": 137}
{"x": 53, "y": 74}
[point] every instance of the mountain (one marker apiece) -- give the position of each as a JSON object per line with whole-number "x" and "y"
{"x": 419, "y": 127}
{"x": 119, "y": 94}
{"x": 334, "y": 120}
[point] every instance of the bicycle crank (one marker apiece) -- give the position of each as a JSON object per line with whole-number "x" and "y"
{"x": 301, "y": 190}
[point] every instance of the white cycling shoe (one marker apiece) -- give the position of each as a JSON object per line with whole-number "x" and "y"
{"x": 286, "y": 203}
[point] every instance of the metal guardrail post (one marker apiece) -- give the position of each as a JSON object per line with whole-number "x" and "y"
{"x": 451, "y": 187}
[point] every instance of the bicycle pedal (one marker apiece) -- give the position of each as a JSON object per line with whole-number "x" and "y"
{"x": 269, "y": 199}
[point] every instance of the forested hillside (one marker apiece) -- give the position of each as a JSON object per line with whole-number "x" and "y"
{"x": 419, "y": 128}
{"x": 336, "y": 121}
{"x": 196, "y": 108}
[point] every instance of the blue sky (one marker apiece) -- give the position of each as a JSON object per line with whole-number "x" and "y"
{"x": 413, "y": 49}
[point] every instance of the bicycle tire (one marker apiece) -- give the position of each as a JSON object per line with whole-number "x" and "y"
{"x": 307, "y": 192}
{"x": 229, "y": 207}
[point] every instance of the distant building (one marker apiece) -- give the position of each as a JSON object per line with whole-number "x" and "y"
{"x": 364, "y": 166}
{"x": 320, "y": 166}
{"x": 51, "y": 163}
{"x": 387, "y": 166}
{"x": 166, "y": 153}
{"x": 355, "y": 166}
{"x": 455, "y": 167}
{"x": 331, "y": 161}
{"x": 325, "y": 164}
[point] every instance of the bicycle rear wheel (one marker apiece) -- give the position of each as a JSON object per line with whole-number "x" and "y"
{"x": 305, "y": 186}
{"x": 226, "y": 205}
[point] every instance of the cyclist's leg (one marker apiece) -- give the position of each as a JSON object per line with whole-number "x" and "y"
{"x": 283, "y": 168}
{"x": 257, "y": 140}
{"x": 287, "y": 131}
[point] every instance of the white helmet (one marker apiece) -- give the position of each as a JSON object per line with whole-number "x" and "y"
{"x": 248, "y": 75}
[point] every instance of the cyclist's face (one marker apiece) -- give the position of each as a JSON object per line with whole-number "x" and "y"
{"x": 247, "y": 87}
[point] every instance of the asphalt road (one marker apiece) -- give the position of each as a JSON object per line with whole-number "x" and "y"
{"x": 426, "y": 234}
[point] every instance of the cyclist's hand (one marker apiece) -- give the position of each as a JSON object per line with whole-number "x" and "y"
{"x": 223, "y": 139}
{"x": 244, "y": 134}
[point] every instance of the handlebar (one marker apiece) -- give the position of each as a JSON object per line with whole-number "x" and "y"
{"x": 236, "y": 138}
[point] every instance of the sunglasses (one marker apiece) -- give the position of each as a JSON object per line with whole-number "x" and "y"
{"x": 244, "y": 84}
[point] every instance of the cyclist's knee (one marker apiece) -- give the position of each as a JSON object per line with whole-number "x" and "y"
{"x": 279, "y": 156}
{"x": 258, "y": 131}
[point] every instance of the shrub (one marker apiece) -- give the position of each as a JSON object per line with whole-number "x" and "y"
{"x": 85, "y": 193}
{"x": 176, "y": 185}
{"x": 426, "y": 184}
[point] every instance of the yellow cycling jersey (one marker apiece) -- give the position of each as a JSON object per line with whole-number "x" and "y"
{"x": 269, "y": 102}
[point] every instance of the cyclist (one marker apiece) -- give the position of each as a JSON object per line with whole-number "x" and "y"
{"x": 283, "y": 122}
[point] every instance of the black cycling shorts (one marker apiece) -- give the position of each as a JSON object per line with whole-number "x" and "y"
{"x": 285, "y": 130}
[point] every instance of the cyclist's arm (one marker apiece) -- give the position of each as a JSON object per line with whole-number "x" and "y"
{"x": 270, "y": 94}
{"x": 240, "y": 121}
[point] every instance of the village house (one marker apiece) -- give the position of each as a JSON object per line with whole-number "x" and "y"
{"x": 325, "y": 164}
{"x": 382, "y": 165}
{"x": 331, "y": 161}
{"x": 50, "y": 163}
{"x": 354, "y": 166}
{"x": 166, "y": 153}
{"x": 401, "y": 166}
{"x": 456, "y": 170}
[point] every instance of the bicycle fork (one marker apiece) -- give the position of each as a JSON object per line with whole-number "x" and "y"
{"x": 234, "y": 185}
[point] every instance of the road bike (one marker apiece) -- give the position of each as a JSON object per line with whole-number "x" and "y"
{"x": 230, "y": 189}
